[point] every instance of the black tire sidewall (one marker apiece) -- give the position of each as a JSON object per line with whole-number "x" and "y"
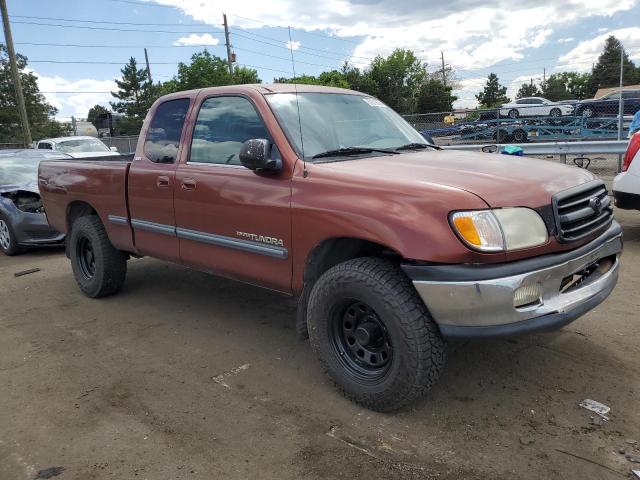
{"x": 409, "y": 374}
{"x": 322, "y": 337}
{"x": 100, "y": 283}
{"x": 513, "y": 113}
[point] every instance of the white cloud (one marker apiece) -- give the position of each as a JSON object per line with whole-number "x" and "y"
{"x": 195, "y": 39}
{"x": 566, "y": 40}
{"x": 75, "y": 104}
{"x": 516, "y": 83}
{"x": 602, "y": 29}
{"x": 293, "y": 45}
{"x": 582, "y": 57}
{"x": 471, "y": 33}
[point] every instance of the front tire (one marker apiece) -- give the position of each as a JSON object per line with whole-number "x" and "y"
{"x": 99, "y": 269}
{"x": 8, "y": 242}
{"x": 555, "y": 112}
{"x": 373, "y": 335}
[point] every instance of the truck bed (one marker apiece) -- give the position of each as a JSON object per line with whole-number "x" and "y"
{"x": 99, "y": 183}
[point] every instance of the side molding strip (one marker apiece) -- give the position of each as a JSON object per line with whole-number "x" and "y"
{"x": 118, "y": 220}
{"x": 153, "y": 227}
{"x": 196, "y": 236}
{"x": 236, "y": 244}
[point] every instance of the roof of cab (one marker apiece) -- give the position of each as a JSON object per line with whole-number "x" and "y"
{"x": 266, "y": 89}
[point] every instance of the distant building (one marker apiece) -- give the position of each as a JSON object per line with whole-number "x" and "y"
{"x": 603, "y": 91}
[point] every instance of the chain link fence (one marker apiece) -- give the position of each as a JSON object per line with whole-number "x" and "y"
{"x": 123, "y": 144}
{"x": 532, "y": 120}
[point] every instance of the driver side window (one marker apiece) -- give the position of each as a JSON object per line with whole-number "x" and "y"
{"x": 222, "y": 126}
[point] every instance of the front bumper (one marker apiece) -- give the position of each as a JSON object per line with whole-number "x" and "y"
{"x": 32, "y": 229}
{"x": 478, "y": 300}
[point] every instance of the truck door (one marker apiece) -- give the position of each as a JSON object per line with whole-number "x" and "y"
{"x": 152, "y": 180}
{"x": 229, "y": 219}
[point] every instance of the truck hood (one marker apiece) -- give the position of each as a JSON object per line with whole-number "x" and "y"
{"x": 500, "y": 180}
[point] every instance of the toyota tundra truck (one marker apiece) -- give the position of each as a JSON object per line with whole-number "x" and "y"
{"x": 390, "y": 245}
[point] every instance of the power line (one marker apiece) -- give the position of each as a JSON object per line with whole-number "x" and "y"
{"x": 91, "y": 62}
{"x": 115, "y": 46}
{"x": 111, "y": 29}
{"x": 83, "y": 20}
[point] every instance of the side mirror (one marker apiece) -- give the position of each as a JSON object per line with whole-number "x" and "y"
{"x": 113, "y": 149}
{"x": 255, "y": 155}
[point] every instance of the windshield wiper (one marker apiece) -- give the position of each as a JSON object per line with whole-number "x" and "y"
{"x": 351, "y": 151}
{"x": 418, "y": 146}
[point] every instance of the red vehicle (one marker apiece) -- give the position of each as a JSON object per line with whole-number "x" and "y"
{"x": 390, "y": 244}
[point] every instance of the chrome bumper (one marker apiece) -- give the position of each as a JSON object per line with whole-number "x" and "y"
{"x": 483, "y": 307}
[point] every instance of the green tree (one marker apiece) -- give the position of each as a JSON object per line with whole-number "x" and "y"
{"x": 398, "y": 78}
{"x": 93, "y": 113}
{"x": 207, "y": 70}
{"x": 528, "y": 90}
{"x": 434, "y": 96}
{"x": 567, "y": 86}
{"x": 136, "y": 95}
{"x": 39, "y": 112}
{"x": 493, "y": 93}
{"x": 245, "y": 75}
{"x": 606, "y": 72}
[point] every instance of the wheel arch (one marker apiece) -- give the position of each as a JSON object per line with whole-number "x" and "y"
{"x": 77, "y": 209}
{"x": 326, "y": 254}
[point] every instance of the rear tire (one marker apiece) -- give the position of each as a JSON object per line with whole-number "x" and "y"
{"x": 8, "y": 242}
{"x": 373, "y": 335}
{"x": 99, "y": 269}
{"x": 514, "y": 113}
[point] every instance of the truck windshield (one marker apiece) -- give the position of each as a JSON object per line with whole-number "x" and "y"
{"x": 339, "y": 122}
{"x": 83, "y": 145}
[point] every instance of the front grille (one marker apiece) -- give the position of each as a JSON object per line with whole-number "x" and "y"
{"x": 581, "y": 211}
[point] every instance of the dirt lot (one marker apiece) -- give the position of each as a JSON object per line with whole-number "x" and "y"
{"x": 186, "y": 376}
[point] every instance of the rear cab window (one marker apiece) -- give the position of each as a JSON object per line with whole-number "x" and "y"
{"x": 163, "y": 137}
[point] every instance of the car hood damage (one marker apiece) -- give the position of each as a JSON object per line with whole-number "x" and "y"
{"x": 25, "y": 197}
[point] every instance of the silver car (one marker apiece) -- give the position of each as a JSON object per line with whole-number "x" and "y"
{"x": 22, "y": 220}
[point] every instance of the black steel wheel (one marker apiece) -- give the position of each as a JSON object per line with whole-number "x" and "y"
{"x": 361, "y": 340}
{"x": 98, "y": 267}
{"x": 373, "y": 334}
{"x": 86, "y": 257}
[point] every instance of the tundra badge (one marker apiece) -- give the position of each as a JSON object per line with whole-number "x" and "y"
{"x": 261, "y": 238}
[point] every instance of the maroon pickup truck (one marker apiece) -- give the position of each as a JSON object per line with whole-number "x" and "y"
{"x": 390, "y": 244}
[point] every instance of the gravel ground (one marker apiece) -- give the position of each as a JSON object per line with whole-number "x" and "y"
{"x": 186, "y": 376}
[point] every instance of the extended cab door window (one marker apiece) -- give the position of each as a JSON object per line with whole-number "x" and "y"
{"x": 222, "y": 126}
{"x": 163, "y": 137}
{"x": 152, "y": 182}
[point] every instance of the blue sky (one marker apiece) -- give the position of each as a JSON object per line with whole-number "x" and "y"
{"x": 515, "y": 39}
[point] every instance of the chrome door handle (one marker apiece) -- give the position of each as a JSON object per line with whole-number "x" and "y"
{"x": 162, "y": 182}
{"x": 188, "y": 184}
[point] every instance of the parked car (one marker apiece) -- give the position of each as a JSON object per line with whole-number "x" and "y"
{"x": 389, "y": 244}
{"x": 609, "y": 104}
{"x": 22, "y": 220}
{"x": 535, "y": 107}
{"x": 78, "y": 147}
{"x": 626, "y": 185}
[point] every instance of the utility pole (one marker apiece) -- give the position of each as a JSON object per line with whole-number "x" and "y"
{"x": 17, "y": 84}
{"x": 620, "y": 104}
{"x": 146, "y": 59}
{"x": 444, "y": 75}
{"x": 544, "y": 76}
{"x": 227, "y": 43}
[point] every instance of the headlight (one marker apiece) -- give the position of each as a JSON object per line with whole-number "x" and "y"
{"x": 501, "y": 229}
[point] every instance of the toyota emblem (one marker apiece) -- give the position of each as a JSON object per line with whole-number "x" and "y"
{"x": 596, "y": 204}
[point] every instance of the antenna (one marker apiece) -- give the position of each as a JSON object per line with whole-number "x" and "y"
{"x": 295, "y": 86}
